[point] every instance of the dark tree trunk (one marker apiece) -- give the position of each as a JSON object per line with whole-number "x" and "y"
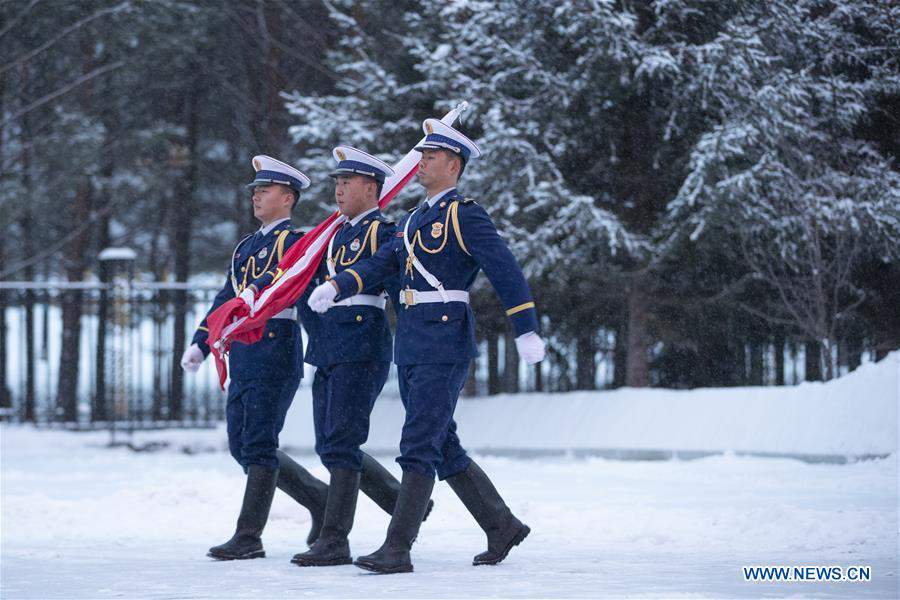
{"x": 470, "y": 388}
{"x": 853, "y": 352}
{"x": 585, "y": 365}
{"x": 183, "y": 214}
{"x": 813, "y": 361}
{"x": 756, "y": 362}
{"x": 538, "y": 378}
{"x": 67, "y": 386}
{"x": 75, "y": 264}
{"x": 620, "y": 355}
{"x": 493, "y": 364}
{"x": 99, "y": 401}
{"x": 637, "y": 368}
{"x": 510, "y": 364}
{"x": 5, "y": 392}
{"x": 26, "y": 224}
{"x": 779, "y": 358}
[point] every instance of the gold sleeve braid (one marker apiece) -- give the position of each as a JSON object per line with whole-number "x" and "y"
{"x": 358, "y": 279}
{"x": 516, "y": 309}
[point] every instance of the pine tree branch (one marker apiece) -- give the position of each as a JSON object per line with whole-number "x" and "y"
{"x": 74, "y": 27}
{"x": 63, "y": 90}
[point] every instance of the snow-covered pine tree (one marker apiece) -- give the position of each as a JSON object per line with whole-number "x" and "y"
{"x": 783, "y": 170}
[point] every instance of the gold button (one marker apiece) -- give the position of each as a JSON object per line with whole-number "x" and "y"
{"x": 271, "y": 334}
{"x": 443, "y": 204}
{"x": 444, "y": 318}
{"x": 276, "y": 232}
{"x": 366, "y": 222}
{"x": 358, "y": 318}
{"x": 243, "y": 268}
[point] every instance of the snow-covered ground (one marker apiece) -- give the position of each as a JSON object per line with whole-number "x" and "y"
{"x": 83, "y": 521}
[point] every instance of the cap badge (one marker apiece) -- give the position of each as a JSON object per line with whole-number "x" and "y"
{"x": 428, "y": 128}
{"x": 256, "y": 164}
{"x": 341, "y": 155}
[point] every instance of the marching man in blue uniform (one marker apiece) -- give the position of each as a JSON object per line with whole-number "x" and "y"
{"x": 265, "y": 375}
{"x": 351, "y": 347}
{"x": 437, "y": 252}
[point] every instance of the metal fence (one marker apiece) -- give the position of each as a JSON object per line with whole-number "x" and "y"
{"x": 123, "y": 370}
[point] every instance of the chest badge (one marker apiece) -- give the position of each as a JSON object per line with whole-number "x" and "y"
{"x": 354, "y": 245}
{"x": 263, "y": 253}
{"x": 437, "y": 230}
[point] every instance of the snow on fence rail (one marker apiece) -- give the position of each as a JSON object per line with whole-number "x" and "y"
{"x": 126, "y": 363}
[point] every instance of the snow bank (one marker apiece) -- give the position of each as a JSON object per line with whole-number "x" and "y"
{"x": 856, "y": 415}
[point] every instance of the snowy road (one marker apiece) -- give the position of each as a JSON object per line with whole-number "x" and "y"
{"x": 83, "y": 521}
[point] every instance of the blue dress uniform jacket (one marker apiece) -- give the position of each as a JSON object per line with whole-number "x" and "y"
{"x": 351, "y": 347}
{"x": 264, "y": 375}
{"x": 255, "y": 261}
{"x": 453, "y": 239}
{"x": 352, "y": 333}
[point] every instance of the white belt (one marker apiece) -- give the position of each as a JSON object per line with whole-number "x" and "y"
{"x": 413, "y": 297}
{"x": 363, "y": 300}
{"x": 288, "y": 313}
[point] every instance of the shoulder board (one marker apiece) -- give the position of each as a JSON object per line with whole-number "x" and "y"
{"x": 413, "y": 209}
{"x": 467, "y": 200}
{"x": 385, "y": 220}
{"x": 298, "y": 231}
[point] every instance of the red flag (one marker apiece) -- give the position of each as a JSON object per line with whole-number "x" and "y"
{"x": 232, "y": 322}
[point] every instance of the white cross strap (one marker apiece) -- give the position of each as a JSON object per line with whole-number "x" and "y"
{"x": 328, "y": 260}
{"x": 431, "y": 279}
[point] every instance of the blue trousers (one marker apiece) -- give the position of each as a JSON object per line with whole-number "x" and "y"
{"x": 429, "y": 444}
{"x": 343, "y": 397}
{"x": 264, "y": 379}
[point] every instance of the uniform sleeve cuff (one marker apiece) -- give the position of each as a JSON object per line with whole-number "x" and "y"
{"x": 524, "y": 321}
{"x": 348, "y": 283}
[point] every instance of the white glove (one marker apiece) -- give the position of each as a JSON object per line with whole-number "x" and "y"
{"x": 530, "y": 347}
{"x": 192, "y": 359}
{"x": 322, "y": 298}
{"x": 248, "y": 296}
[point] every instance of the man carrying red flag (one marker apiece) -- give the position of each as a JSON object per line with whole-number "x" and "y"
{"x": 351, "y": 347}
{"x": 265, "y": 375}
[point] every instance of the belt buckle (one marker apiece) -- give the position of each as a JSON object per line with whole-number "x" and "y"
{"x": 409, "y": 297}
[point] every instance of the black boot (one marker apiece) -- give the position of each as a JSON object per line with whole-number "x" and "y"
{"x": 246, "y": 541}
{"x": 299, "y": 484}
{"x": 484, "y": 502}
{"x": 393, "y": 556}
{"x": 378, "y": 484}
{"x": 332, "y": 547}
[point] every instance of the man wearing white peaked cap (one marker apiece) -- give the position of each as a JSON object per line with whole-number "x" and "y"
{"x": 438, "y": 251}
{"x": 264, "y": 375}
{"x": 350, "y": 346}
